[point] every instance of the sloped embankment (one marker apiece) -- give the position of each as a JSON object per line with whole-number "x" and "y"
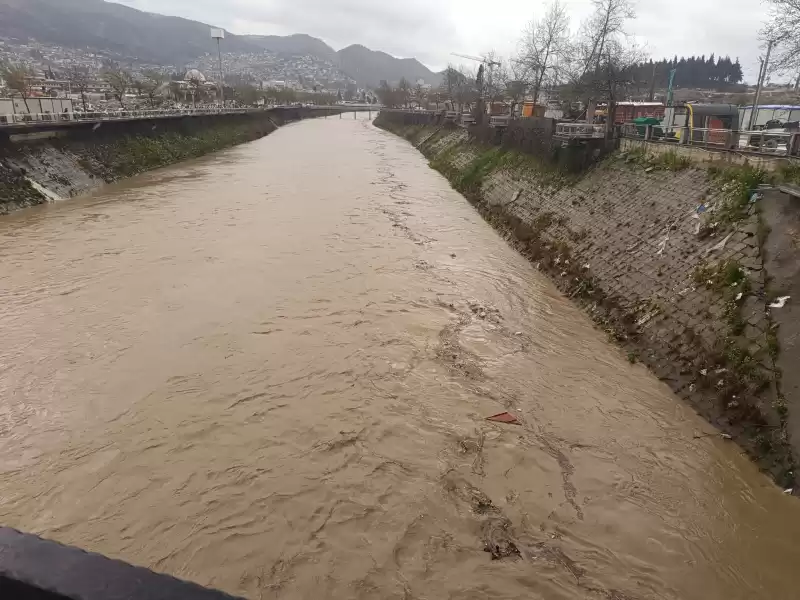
{"x": 666, "y": 258}
{"x": 73, "y": 162}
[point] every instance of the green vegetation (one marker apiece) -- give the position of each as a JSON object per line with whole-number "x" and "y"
{"x": 729, "y": 280}
{"x": 672, "y": 161}
{"x": 737, "y": 185}
{"x": 473, "y": 176}
{"x": 668, "y": 161}
{"x": 16, "y": 192}
{"x": 137, "y": 154}
{"x": 790, "y": 172}
{"x": 490, "y": 159}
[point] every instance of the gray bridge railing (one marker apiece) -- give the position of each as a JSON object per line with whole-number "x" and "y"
{"x": 34, "y": 119}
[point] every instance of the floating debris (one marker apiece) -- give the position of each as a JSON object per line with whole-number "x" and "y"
{"x": 662, "y": 246}
{"x": 725, "y": 436}
{"x": 720, "y": 245}
{"x": 504, "y": 417}
{"x": 780, "y": 302}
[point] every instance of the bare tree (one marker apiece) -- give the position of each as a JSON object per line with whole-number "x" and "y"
{"x": 451, "y": 81}
{"x": 119, "y": 80}
{"x": 196, "y": 87}
{"x": 18, "y": 78}
{"x": 615, "y": 75}
{"x": 546, "y": 47}
{"x": 606, "y": 23}
{"x": 174, "y": 89}
{"x": 494, "y": 77}
{"x": 151, "y": 83}
{"x": 463, "y": 88}
{"x": 511, "y": 78}
{"x": 404, "y": 87}
{"x": 419, "y": 95}
{"x": 591, "y": 48}
{"x": 387, "y": 94}
{"x": 79, "y": 80}
{"x": 783, "y": 29}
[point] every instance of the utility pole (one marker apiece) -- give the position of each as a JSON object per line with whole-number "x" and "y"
{"x": 761, "y": 78}
{"x": 219, "y": 34}
{"x": 653, "y": 84}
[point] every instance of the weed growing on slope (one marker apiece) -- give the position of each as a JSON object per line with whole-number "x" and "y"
{"x": 737, "y": 185}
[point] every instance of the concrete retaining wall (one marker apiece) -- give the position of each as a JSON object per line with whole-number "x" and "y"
{"x": 665, "y": 257}
{"x": 62, "y": 160}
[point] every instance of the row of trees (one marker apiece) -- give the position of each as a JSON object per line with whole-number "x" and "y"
{"x": 20, "y": 80}
{"x": 597, "y": 62}
{"x": 404, "y": 95}
{"x": 697, "y": 72}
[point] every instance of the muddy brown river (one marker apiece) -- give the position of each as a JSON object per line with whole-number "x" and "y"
{"x": 268, "y": 371}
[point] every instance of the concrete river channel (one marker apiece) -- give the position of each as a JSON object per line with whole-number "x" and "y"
{"x": 269, "y": 370}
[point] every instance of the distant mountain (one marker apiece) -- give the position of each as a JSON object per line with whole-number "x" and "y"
{"x": 370, "y": 67}
{"x": 102, "y": 25}
{"x": 299, "y": 43}
{"x": 159, "y": 39}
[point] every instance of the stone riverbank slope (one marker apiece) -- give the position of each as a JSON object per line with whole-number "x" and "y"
{"x": 668, "y": 258}
{"x": 72, "y": 159}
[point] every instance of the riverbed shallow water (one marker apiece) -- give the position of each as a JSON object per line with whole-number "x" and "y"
{"x": 268, "y": 371}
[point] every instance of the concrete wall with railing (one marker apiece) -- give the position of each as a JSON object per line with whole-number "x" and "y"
{"x": 700, "y": 155}
{"x": 149, "y": 123}
{"x": 756, "y": 143}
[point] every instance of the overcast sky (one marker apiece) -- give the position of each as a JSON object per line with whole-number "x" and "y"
{"x": 431, "y": 29}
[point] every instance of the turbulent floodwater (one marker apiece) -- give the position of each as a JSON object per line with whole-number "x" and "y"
{"x": 268, "y": 371}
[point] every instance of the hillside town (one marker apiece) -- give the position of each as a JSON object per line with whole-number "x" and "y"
{"x": 98, "y": 80}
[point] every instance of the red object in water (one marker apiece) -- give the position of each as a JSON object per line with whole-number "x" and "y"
{"x": 504, "y": 417}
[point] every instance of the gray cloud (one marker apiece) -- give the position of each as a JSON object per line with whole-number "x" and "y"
{"x": 431, "y": 29}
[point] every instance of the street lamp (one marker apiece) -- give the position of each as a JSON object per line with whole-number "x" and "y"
{"x": 219, "y": 34}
